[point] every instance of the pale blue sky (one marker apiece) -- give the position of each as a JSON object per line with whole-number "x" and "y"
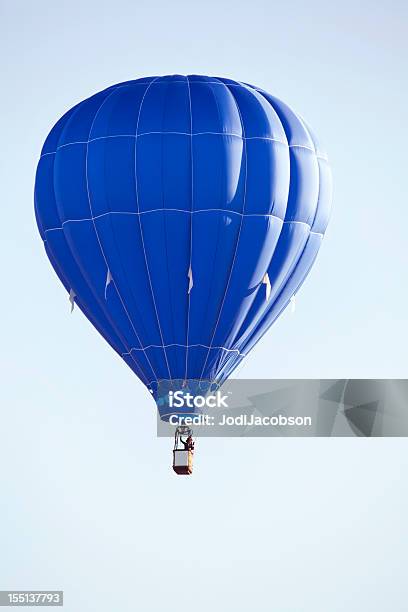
{"x": 88, "y": 502}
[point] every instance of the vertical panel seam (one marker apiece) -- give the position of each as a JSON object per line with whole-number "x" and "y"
{"x": 141, "y": 227}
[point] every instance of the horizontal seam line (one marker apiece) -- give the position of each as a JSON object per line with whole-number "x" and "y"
{"x": 182, "y": 346}
{"x": 182, "y": 210}
{"x": 135, "y": 137}
{"x": 191, "y": 212}
{"x": 54, "y": 229}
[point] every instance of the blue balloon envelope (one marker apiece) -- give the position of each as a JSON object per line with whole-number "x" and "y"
{"x": 182, "y": 213}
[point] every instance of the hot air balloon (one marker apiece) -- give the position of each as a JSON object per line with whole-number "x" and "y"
{"x": 182, "y": 214}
